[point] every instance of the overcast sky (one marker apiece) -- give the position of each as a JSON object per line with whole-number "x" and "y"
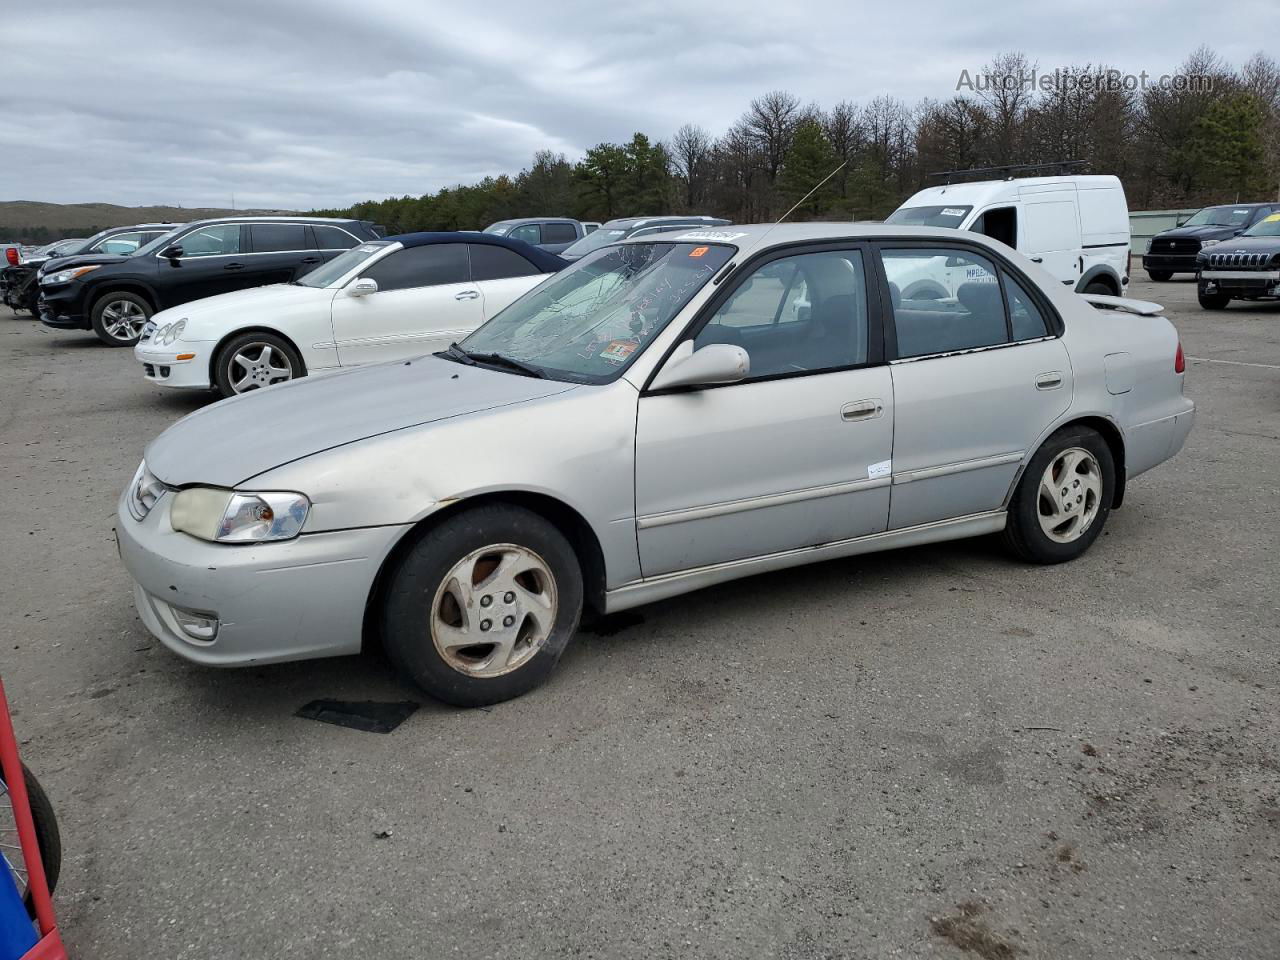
{"x": 322, "y": 103}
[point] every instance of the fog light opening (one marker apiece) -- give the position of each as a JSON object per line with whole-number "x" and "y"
{"x": 197, "y": 626}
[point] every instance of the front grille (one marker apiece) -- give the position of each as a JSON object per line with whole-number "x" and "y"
{"x": 1244, "y": 261}
{"x": 1175, "y": 245}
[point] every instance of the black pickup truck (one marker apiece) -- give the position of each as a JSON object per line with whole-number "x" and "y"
{"x": 1246, "y": 267}
{"x": 1175, "y": 251}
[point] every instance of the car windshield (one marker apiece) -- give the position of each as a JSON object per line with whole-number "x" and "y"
{"x": 593, "y": 241}
{"x": 340, "y": 265}
{"x": 500, "y": 229}
{"x": 1266, "y": 227}
{"x": 929, "y": 216}
{"x": 588, "y": 322}
{"x": 1218, "y": 217}
{"x": 159, "y": 243}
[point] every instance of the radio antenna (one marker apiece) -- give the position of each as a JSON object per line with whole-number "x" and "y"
{"x": 815, "y": 189}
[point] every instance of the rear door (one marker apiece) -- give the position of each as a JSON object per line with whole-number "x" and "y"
{"x": 977, "y": 377}
{"x": 425, "y": 300}
{"x": 501, "y": 276}
{"x": 279, "y": 252}
{"x": 1051, "y": 232}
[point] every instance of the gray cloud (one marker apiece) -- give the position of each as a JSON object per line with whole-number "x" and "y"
{"x": 303, "y": 104}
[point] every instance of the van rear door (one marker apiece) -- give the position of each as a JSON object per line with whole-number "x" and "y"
{"x": 1051, "y": 231}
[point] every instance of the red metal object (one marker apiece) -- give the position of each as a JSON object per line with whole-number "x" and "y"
{"x": 50, "y": 945}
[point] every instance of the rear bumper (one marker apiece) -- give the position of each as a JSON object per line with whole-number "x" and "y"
{"x": 1175, "y": 262}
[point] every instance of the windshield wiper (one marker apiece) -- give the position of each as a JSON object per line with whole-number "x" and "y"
{"x": 511, "y": 363}
{"x": 457, "y": 354}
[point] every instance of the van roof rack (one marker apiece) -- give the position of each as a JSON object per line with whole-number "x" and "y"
{"x": 1009, "y": 171}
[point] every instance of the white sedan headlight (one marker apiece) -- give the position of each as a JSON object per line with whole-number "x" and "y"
{"x": 168, "y": 333}
{"x": 230, "y": 516}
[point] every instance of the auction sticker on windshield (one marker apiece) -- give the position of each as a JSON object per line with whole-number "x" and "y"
{"x": 618, "y": 350}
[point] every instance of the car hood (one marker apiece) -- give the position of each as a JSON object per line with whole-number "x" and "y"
{"x": 267, "y": 301}
{"x": 229, "y": 442}
{"x": 1207, "y": 232}
{"x": 83, "y": 260}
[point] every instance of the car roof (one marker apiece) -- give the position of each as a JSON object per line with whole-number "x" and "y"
{"x": 630, "y": 222}
{"x": 279, "y": 218}
{"x": 541, "y": 259}
{"x": 516, "y": 221}
{"x": 1237, "y": 206}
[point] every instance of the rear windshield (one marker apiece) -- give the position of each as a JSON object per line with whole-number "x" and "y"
{"x": 948, "y": 216}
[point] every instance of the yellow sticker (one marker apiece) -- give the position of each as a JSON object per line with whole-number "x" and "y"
{"x": 1272, "y": 219}
{"x": 698, "y": 251}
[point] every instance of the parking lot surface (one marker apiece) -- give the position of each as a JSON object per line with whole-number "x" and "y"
{"x": 895, "y": 755}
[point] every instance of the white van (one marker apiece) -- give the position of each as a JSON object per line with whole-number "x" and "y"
{"x": 1077, "y": 227}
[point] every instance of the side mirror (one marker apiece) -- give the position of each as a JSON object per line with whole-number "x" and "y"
{"x": 363, "y": 287}
{"x": 172, "y": 252}
{"x": 714, "y": 363}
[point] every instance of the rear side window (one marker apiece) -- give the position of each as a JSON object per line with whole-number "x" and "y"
{"x": 943, "y": 300}
{"x": 528, "y": 232}
{"x": 1028, "y": 321}
{"x": 497, "y": 263}
{"x": 558, "y": 233}
{"x": 425, "y": 266}
{"x": 277, "y": 237}
{"x": 333, "y": 238}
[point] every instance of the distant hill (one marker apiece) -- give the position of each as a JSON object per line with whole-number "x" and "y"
{"x": 31, "y": 221}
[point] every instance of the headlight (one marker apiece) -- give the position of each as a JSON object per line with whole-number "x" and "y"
{"x": 229, "y": 516}
{"x": 66, "y": 276}
{"x": 174, "y": 331}
{"x": 1149, "y": 239}
{"x": 144, "y": 492}
{"x": 1208, "y": 243}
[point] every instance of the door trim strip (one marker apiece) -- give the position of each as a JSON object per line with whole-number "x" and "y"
{"x": 961, "y": 466}
{"x": 643, "y": 591}
{"x": 686, "y": 514}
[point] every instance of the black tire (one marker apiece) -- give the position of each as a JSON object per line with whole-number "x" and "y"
{"x": 1023, "y": 534}
{"x": 104, "y": 322}
{"x": 420, "y": 582}
{"x": 1212, "y": 301}
{"x": 48, "y": 838}
{"x": 1098, "y": 287}
{"x": 224, "y": 372}
{"x": 1160, "y": 276}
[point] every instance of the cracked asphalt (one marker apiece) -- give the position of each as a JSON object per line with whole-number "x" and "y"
{"x": 896, "y": 755}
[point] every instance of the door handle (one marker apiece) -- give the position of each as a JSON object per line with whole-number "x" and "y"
{"x": 1049, "y": 381}
{"x": 234, "y": 266}
{"x": 467, "y": 295}
{"x": 1037, "y": 259}
{"x": 861, "y": 410}
{"x": 310, "y": 260}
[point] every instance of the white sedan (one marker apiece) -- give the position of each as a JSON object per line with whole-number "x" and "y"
{"x": 384, "y": 300}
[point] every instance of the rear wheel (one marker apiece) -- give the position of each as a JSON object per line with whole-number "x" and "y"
{"x": 48, "y": 839}
{"x": 1160, "y": 276}
{"x": 1098, "y": 287}
{"x": 118, "y": 318}
{"x": 1213, "y": 301}
{"x": 255, "y": 360}
{"x": 481, "y": 608}
{"x": 1063, "y": 498}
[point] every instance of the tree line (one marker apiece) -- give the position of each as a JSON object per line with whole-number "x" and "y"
{"x": 1215, "y": 140}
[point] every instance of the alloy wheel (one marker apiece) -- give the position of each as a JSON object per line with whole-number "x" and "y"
{"x": 257, "y": 365}
{"x": 123, "y": 320}
{"x": 1070, "y": 495}
{"x": 494, "y": 610}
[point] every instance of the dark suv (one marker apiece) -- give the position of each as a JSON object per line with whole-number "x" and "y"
{"x": 1175, "y": 251}
{"x": 114, "y": 296}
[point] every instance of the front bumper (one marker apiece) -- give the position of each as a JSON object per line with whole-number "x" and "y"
{"x": 273, "y": 602}
{"x": 62, "y": 308}
{"x": 180, "y": 364}
{"x": 1241, "y": 283}
{"x": 1175, "y": 262}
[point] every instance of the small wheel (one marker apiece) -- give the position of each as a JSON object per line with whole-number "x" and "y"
{"x": 1212, "y": 301}
{"x": 481, "y": 608}
{"x": 48, "y": 839}
{"x": 1063, "y": 498}
{"x": 1160, "y": 276}
{"x": 1098, "y": 287}
{"x": 118, "y": 318}
{"x": 252, "y": 361}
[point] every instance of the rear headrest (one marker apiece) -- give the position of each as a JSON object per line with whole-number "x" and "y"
{"x": 981, "y": 298}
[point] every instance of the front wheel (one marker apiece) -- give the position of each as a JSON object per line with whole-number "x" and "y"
{"x": 252, "y": 361}
{"x": 1160, "y": 276}
{"x": 481, "y": 607}
{"x": 1063, "y": 498}
{"x": 1213, "y": 301}
{"x": 118, "y": 318}
{"x": 48, "y": 840}
{"x": 1098, "y": 287}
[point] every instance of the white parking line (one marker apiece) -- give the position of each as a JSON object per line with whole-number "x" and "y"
{"x": 1236, "y": 363}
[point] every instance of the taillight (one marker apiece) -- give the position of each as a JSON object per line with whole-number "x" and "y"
{"x": 12, "y": 256}
{"x": 1179, "y": 361}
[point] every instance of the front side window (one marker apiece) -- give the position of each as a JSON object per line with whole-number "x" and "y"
{"x": 943, "y": 300}
{"x": 490, "y": 262}
{"x": 558, "y": 233}
{"x": 588, "y": 322}
{"x": 528, "y": 232}
{"x": 801, "y": 314}
{"x": 425, "y": 266}
{"x": 278, "y": 237}
{"x": 122, "y": 243}
{"x": 341, "y": 265}
{"x": 214, "y": 240}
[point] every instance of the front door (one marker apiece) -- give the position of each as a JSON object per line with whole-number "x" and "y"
{"x": 214, "y": 260}
{"x": 425, "y": 300}
{"x": 796, "y": 455}
{"x": 978, "y": 378}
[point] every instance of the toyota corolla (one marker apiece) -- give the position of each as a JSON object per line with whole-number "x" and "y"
{"x": 668, "y": 413}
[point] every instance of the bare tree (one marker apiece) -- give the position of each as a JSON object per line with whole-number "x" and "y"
{"x": 1007, "y": 95}
{"x": 691, "y": 151}
{"x": 846, "y": 136}
{"x": 771, "y": 120}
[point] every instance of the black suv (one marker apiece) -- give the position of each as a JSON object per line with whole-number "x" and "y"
{"x": 1246, "y": 267}
{"x": 1174, "y": 251}
{"x": 114, "y": 296}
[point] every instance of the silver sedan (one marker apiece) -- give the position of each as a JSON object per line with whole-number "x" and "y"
{"x": 667, "y": 413}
